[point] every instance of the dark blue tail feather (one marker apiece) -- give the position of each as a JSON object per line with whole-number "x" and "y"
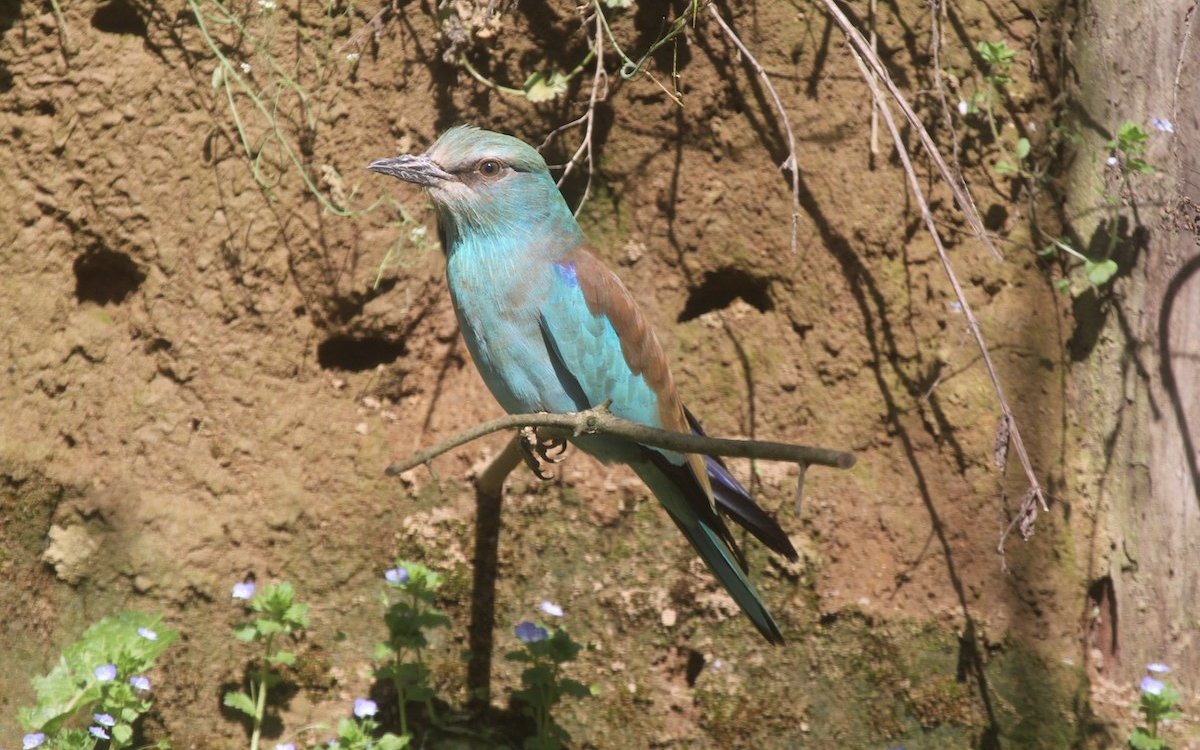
{"x": 733, "y": 499}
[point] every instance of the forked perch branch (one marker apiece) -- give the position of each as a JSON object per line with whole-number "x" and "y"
{"x": 601, "y": 420}
{"x": 489, "y": 491}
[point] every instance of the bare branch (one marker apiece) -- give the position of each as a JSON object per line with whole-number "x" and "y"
{"x": 600, "y": 420}
{"x": 790, "y": 163}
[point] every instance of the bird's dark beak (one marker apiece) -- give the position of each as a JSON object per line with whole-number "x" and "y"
{"x": 420, "y": 170}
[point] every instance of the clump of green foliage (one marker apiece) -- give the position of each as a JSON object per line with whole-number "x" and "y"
{"x": 544, "y": 684}
{"x": 280, "y": 619}
{"x": 1158, "y": 703}
{"x": 100, "y": 676}
{"x": 409, "y": 617}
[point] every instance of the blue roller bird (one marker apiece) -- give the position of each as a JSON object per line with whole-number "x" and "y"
{"x": 552, "y": 329}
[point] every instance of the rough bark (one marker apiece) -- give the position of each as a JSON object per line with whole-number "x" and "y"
{"x": 1138, "y": 356}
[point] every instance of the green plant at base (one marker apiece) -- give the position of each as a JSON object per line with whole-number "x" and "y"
{"x": 280, "y": 615}
{"x": 543, "y": 681}
{"x": 101, "y": 673}
{"x": 408, "y": 620}
{"x": 1129, "y": 148}
{"x": 1158, "y": 703}
{"x": 1127, "y": 156}
{"x": 359, "y": 733}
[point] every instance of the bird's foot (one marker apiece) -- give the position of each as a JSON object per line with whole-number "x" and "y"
{"x": 537, "y": 451}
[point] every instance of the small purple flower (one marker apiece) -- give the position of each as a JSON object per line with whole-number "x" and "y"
{"x": 364, "y": 707}
{"x": 1162, "y": 124}
{"x": 1151, "y": 686}
{"x": 551, "y": 608}
{"x": 98, "y": 732}
{"x": 139, "y": 682}
{"x": 1112, "y": 161}
{"x": 106, "y": 672}
{"x": 398, "y": 576}
{"x": 243, "y": 590}
{"x": 1158, "y": 668}
{"x": 104, "y": 720}
{"x": 148, "y": 634}
{"x": 527, "y": 632}
{"x": 30, "y": 741}
{"x": 286, "y": 746}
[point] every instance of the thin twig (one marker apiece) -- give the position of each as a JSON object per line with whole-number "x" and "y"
{"x": 600, "y": 420}
{"x": 935, "y": 51}
{"x": 874, "y": 109}
{"x": 373, "y": 27}
{"x": 64, "y": 36}
{"x": 588, "y": 119}
{"x": 961, "y": 196}
{"x": 1028, "y": 510}
{"x": 790, "y": 163}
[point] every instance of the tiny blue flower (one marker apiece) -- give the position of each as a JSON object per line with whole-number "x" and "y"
{"x": 98, "y": 732}
{"x": 527, "y": 632}
{"x": 139, "y": 682}
{"x": 364, "y": 707}
{"x": 1158, "y": 668}
{"x": 285, "y": 746}
{"x": 398, "y": 576}
{"x": 1112, "y": 161}
{"x": 243, "y": 590}
{"x": 148, "y": 634}
{"x": 551, "y": 608}
{"x": 1151, "y": 686}
{"x": 1162, "y": 125}
{"x": 104, "y": 720}
{"x": 30, "y": 741}
{"x": 106, "y": 672}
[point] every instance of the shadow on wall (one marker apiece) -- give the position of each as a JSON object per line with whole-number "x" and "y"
{"x": 1170, "y": 359}
{"x": 9, "y": 13}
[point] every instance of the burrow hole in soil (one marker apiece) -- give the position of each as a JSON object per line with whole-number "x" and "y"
{"x": 718, "y": 289}
{"x": 357, "y": 354}
{"x": 106, "y": 276}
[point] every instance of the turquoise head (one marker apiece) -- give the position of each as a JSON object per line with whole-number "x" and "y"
{"x": 487, "y": 185}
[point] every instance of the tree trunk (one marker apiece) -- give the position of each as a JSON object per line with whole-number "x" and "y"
{"x": 1138, "y": 349}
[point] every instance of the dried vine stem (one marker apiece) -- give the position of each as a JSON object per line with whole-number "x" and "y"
{"x": 790, "y": 163}
{"x": 866, "y": 56}
{"x": 601, "y": 420}
{"x": 588, "y": 119}
{"x": 1029, "y": 503}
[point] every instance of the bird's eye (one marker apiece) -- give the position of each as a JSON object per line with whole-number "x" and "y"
{"x": 490, "y": 167}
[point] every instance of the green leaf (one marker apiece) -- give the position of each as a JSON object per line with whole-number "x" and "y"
{"x": 1049, "y": 251}
{"x": 267, "y": 627}
{"x": 1098, "y": 273}
{"x": 1022, "y": 148}
{"x": 1063, "y": 285}
{"x": 1141, "y": 740}
{"x": 297, "y": 615}
{"x": 218, "y": 76}
{"x": 1003, "y": 167}
{"x": 122, "y": 734}
{"x": 539, "y": 88}
{"x": 996, "y": 54}
{"x": 390, "y": 741}
{"x": 241, "y": 702}
{"x": 283, "y": 657}
{"x": 616, "y": 4}
{"x": 245, "y": 632}
{"x": 574, "y": 688}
